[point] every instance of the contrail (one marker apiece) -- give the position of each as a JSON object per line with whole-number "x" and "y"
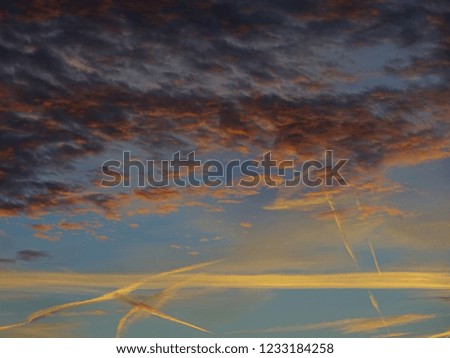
{"x": 377, "y": 308}
{"x": 46, "y": 312}
{"x": 136, "y": 285}
{"x": 341, "y": 229}
{"x": 4, "y": 328}
{"x": 372, "y": 297}
{"x": 373, "y": 301}
{"x": 134, "y": 313}
{"x": 372, "y": 251}
{"x": 143, "y": 306}
{"x": 375, "y": 261}
{"x": 127, "y": 319}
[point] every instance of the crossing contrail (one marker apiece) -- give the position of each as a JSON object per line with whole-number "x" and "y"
{"x": 137, "y": 312}
{"x": 46, "y": 312}
{"x": 154, "y": 311}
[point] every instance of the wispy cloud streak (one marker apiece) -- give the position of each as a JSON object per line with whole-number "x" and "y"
{"x": 440, "y": 335}
{"x": 357, "y": 280}
{"x": 350, "y": 326}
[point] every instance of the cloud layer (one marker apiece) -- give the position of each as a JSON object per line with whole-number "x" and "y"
{"x": 82, "y": 82}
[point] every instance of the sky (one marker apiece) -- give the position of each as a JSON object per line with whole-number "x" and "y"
{"x": 82, "y": 82}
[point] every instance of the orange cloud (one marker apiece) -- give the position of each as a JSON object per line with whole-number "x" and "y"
{"x": 246, "y": 224}
{"x": 42, "y": 227}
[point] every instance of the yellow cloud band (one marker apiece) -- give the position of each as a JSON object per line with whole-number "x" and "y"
{"x": 74, "y": 282}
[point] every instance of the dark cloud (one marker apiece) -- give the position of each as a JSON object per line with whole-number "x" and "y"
{"x": 83, "y": 79}
{"x": 25, "y": 255}
{"x": 30, "y": 255}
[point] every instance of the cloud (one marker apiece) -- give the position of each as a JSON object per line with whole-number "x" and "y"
{"x": 31, "y": 255}
{"x": 245, "y": 224}
{"x": 64, "y": 225}
{"x": 41, "y": 235}
{"x": 441, "y": 335}
{"x": 82, "y": 82}
{"x": 73, "y": 282}
{"x": 352, "y": 325}
{"x": 42, "y": 227}
{"x": 307, "y": 200}
{"x": 25, "y": 255}
{"x": 42, "y": 330}
{"x": 244, "y": 79}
